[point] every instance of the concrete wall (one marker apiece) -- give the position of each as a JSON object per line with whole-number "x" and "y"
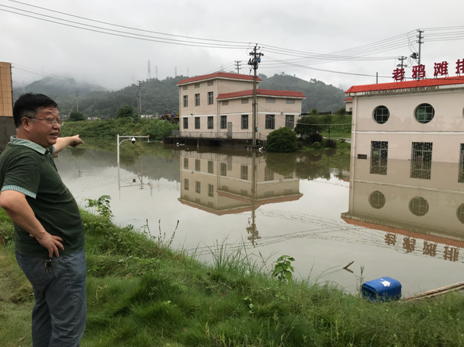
{"x": 445, "y": 130}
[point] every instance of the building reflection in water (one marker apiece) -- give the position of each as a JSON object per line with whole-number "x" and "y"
{"x": 228, "y": 184}
{"x": 418, "y": 212}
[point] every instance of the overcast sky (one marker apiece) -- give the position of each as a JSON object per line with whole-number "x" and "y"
{"x": 38, "y": 48}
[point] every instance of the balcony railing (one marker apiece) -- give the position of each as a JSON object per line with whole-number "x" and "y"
{"x": 218, "y": 135}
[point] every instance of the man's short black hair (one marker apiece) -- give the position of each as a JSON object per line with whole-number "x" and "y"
{"x": 28, "y": 105}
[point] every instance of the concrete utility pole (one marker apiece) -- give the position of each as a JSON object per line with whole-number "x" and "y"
{"x": 254, "y": 61}
{"x": 77, "y": 101}
{"x": 420, "y": 42}
{"x": 237, "y": 65}
{"x": 402, "y": 64}
{"x": 139, "y": 99}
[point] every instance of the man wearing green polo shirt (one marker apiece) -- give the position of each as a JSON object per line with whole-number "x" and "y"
{"x": 49, "y": 233}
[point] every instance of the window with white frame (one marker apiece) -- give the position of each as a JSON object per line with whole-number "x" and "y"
{"x": 210, "y": 98}
{"x": 197, "y": 99}
{"x": 210, "y": 190}
{"x": 223, "y": 122}
{"x": 210, "y": 167}
{"x": 421, "y": 160}
{"x": 186, "y": 163}
{"x": 270, "y": 101}
{"x": 210, "y": 123}
{"x": 245, "y": 101}
{"x": 186, "y": 101}
{"x": 197, "y": 165}
{"x": 185, "y": 87}
{"x": 377, "y": 199}
{"x": 289, "y": 101}
{"x": 418, "y": 206}
{"x": 210, "y": 83}
{"x": 225, "y": 103}
{"x": 244, "y": 172}
{"x": 186, "y": 123}
{"x": 424, "y": 113}
{"x": 223, "y": 169}
{"x": 197, "y": 85}
{"x": 197, "y": 187}
{"x": 270, "y": 121}
{"x": 197, "y": 122}
{"x": 381, "y": 114}
{"x": 186, "y": 184}
{"x": 379, "y": 157}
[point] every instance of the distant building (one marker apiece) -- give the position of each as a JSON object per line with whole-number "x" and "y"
{"x": 349, "y": 104}
{"x": 7, "y": 127}
{"x": 220, "y": 105}
{"x": 421, "y": 121}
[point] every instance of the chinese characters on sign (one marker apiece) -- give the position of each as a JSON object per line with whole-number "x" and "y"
{"x": 430, "y": 248}
{"x": 418, "y": 71}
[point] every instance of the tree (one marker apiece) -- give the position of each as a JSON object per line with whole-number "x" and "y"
{"x": 314, "y": 111}
{"x": 75, "y": 116}
{"x": 125, "y": 111}
{"x": 341, "y": 112}
{"x": 282, "y": 140}
{"x": 308, "y": 125}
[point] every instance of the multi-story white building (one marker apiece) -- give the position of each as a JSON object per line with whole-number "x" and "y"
{"x": 422, "y": 121}
{"x": 220, "y": 106}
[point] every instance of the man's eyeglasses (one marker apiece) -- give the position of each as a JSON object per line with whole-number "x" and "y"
{"x": 50, "y": 121}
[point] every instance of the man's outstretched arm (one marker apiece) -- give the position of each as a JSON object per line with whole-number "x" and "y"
{"x": 63, "y": 142}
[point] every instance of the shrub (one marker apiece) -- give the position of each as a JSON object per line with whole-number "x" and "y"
{"x": 316, "y": 137}
{"x": 282, "y": 140}
{"x": 330, "y": 143}
{"x": 317, "y": 145}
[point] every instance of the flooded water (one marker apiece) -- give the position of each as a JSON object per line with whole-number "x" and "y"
{"x": 393, "y": 219}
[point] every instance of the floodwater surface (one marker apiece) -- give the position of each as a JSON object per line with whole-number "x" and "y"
{"x": 320, "y": 208}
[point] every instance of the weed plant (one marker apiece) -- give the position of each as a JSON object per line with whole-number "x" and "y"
{"x": 141, "y": 293}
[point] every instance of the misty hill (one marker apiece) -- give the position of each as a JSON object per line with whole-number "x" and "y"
{"x": 161, "y": 95}
{"x": 59, "y": 87}
{"x": 324, "y": 97}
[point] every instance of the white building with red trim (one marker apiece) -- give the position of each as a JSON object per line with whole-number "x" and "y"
{"x": 421, "y": 121}
{"x": 220, "y": 106}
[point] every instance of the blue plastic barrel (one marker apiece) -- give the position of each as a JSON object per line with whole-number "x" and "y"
{"x": 381, "y": 289}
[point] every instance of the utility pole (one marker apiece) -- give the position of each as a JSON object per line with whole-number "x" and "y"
{"x": 420, "y": 42}
{"x": 237, "y": 65}
{"x": 77, "y": 100}
{"x": 149, "y": 72}
{"x": 139, "y": 99}
{"x": 156, "y": 69}
{"x": 402, "y": 65}
{"x": 254, "y": 61}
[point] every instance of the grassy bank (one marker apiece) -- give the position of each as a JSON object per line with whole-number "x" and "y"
{"x": 157, "y": 129}
{"x": 141, "y": 293}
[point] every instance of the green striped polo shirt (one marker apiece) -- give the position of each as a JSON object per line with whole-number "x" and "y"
{"x": 28, "y": 168}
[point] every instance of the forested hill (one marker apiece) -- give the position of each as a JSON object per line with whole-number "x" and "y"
{"x": 159, "y": 96}
{"x": 324, "y": 97}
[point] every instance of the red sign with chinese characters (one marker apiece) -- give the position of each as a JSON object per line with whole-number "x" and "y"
{"x": 418, "y": 71}
{"x": 441, "y": 69}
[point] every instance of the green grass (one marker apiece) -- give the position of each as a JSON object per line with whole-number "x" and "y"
{"x": 141, "y": 293}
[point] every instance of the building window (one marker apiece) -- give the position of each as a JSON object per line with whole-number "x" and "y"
{"x": 270, "y": 101}
{"x": 223, "y": 122}
{"x": 210, "y": 98}
{"x": 210, "y": 167}
{"x": 185, "y": 87}
{"x": 186, "y": 184}
{"x": 244, "y": 121}
{"x": 377, "y": 200}
{"x": 424, "y": 113}
{"x": 244, "y": 172}
{"x": 197, "y": 122}
{"x": 225, "y": 103}
{"x": 186, "y": 123}
{"x": 421, "y": 160}
{"x": 290, "y": 121}
{"x": 418, "y": 206}
{"x": 460, "y": 213}
{"x": 210, "y": 123}
{"x": 223, "y": 169}
{"x": 197, "y": 99}
{"x": 210, "y": 190}
{"x": 197, "y": 187}
{"x": 197, "y": 85}
{"x": 186, "y": 101}
{"x": 379, "y": 157}
{"x": 186, "y": 163}
{"x": 210, "y": 83}
{"x": 289, "y": 101}
{"x": 197, "y": 165}
{"x": 461, "y": 165}
{"x": 245, "y": 101}
{"x": 268, "y": 174}
{"x": 270, "y": 121}
{"x": 381, "y": 114}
